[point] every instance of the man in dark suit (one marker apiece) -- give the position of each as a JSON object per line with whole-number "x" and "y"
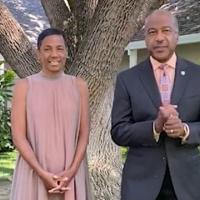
{"x": 159, "y": 120}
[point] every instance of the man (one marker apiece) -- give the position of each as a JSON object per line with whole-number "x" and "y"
{"x": 156, "y": 113}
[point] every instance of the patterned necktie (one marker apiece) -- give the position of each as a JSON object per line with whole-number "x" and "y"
{"x": 165, "y": 89}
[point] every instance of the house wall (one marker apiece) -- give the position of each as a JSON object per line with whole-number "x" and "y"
{"x": 125, "y": 62}
{"x": 2, "y": 65}
{"x": 188, "y": 51}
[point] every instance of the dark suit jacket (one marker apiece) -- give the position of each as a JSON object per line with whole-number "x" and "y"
{"x": 135, "y": 106}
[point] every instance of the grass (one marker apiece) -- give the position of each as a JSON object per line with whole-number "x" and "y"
{"x": 7, "y": 164}
{"x": 123, "y": 151}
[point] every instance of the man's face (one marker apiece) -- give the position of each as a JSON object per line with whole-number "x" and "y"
{"x": 52, "y": 54}
{"x": 161, "y": 36}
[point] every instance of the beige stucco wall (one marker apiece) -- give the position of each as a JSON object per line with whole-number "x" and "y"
{"x": 190, "y": 52}
{"x": 125, "y": 62}
{"x": 2, "y": 65}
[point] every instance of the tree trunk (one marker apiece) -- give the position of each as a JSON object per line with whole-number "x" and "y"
{"x": 105, "y": 162}
{"x": 15, "y": 46}
{"x": 114, "y": 23}
{"x": 98, "y": 58}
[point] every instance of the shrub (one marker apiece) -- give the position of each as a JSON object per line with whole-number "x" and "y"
{"x": 6, "y": 82}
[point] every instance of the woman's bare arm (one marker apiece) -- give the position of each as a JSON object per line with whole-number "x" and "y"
{"x": 84, "y": 125}
{"x": 18, "y": 125}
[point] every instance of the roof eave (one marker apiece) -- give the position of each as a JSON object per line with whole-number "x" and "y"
{"x": 183, "y": 39}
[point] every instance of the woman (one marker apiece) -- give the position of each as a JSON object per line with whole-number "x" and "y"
{"x": 50, "y": 128}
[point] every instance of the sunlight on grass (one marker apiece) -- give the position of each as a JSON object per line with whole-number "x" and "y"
{"x": 123, "y": 151}
{"x": 7, "y": 164}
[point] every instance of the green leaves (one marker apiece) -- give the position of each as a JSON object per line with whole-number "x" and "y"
{"x": 6, "y": 83}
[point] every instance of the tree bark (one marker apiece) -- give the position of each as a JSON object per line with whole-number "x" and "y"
{"x": 83, "y": 11}
{"x": 105, "y": 162}
{"x": 15, "y": 46}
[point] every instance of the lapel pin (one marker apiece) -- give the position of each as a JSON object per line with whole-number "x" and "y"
{"x": 183, "y": 73}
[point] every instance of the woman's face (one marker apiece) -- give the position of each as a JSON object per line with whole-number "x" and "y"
{"x": 52, "y": 54}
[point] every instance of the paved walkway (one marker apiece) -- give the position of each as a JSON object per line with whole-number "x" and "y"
{"x": 4, "y": 190}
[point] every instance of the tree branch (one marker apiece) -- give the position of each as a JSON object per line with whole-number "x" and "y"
{"x": 83, "y": 11}
{"x": 15, "y": 46}
{"x": 114, "y": 24}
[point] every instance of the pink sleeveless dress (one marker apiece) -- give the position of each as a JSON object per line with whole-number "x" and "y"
{"x": 53, "y": 117}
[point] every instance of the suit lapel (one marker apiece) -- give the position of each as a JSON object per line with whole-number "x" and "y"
{"x": 149, "y": 83}
{"x": 180, "y": 81}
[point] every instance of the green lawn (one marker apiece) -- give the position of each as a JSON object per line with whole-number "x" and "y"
{"x": 7, "y": 164}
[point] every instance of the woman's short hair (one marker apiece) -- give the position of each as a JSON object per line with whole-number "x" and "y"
{"x": 48, "y": 32}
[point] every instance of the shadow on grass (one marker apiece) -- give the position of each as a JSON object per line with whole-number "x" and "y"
{"x": 6, "y": 170}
